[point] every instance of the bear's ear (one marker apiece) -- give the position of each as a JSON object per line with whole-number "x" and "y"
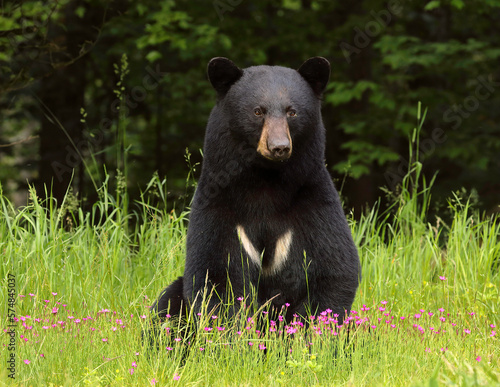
{"x": 222, "y": 74}
{"x": 316, "y": 71}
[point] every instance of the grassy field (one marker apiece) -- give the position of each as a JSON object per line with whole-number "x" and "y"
{"x": 426, "y": 313}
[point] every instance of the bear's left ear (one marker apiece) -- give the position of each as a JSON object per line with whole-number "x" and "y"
{"x": 316, "y": 71}
{"x": 222, "y": 74}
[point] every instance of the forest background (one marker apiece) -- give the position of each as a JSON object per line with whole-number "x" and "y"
{"x": 89, "y": 88}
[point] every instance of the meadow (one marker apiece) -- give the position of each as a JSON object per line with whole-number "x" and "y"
{"x": 76, "y": 287}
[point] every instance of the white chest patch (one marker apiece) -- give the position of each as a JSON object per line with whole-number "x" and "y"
{"x": 280, "y": 253}
{"x": 281, "y": 250}
{"x": 247, "y": 245}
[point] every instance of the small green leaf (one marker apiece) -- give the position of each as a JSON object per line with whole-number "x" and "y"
{"x": 80, "y": 12}
{"x": 152, "y": 56}
{"x": 432, "y": 5}
{"x": 458, "y": 4}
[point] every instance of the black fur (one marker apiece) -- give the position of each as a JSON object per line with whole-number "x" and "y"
{"x": 238, "y": 186}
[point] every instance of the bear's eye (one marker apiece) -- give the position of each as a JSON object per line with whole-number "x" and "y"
{"x": 258, "y": 112}
{"x": 291, "y": 113}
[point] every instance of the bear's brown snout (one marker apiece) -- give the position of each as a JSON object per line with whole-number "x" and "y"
{"x": 275, "y": 142}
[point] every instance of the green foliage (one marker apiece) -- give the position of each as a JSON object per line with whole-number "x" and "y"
{"x": 438, "y": 52}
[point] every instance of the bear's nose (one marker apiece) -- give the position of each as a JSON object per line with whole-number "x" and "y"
{"x": 280, "y": 151}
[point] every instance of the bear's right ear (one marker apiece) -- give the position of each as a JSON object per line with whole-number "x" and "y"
{"x": 222, "y": 74}
{"x": 316, "y": 71}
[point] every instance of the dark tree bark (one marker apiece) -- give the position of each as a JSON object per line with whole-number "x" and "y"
{"x": 62, "y": 96}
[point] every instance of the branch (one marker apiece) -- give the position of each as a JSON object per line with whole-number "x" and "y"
{"x": 18, "y": 31}
{"x": 18, "y": 142}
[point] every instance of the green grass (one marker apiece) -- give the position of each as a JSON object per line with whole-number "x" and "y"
{"x": 109, "y": 264}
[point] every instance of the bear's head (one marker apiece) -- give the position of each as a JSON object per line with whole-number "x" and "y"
{"x": 274, "y": 109}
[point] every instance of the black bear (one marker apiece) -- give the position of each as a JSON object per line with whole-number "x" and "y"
{"x": 266, "y": 217}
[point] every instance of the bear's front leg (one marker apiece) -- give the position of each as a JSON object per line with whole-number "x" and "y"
{"x": 218, "y": 271}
